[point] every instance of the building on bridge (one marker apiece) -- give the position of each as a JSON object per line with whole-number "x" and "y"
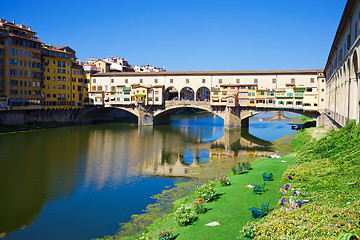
{"x": 342, "y": 68}
{"x": 296, "y": 89}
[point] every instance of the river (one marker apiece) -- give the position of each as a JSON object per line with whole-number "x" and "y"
{"x": 80, "y": 182}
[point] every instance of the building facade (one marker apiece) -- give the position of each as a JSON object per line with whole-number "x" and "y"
{"x": 20, "y": 67}
{"x": 342, "y": 68}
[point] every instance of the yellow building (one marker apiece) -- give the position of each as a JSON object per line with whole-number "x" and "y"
{"x": 251, "y": 101}
{"x": 139, "y": 94}
{"x": 56, "y": 67}
{"x": 79, "y": 86}
{"x": 215, "y": 97}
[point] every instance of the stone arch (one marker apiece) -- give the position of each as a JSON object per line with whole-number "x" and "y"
{"x": 163, "y": 117}
{"x": 187, "y": 93}
{"x": 203, "y": 94}
{"x": 355, "y": 65}
{"x": 98, "y": 114}
{"x": 171, "y": 93}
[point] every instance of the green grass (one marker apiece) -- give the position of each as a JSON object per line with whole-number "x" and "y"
{"x": 231, "y": 209}
{"x": 328, "y": 175}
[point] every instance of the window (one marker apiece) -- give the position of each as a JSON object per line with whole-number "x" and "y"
{"x": 322, "y": 99}
{"x": 293, "y": 80}
{"x": 112, "y": 80}
{"x": 322, "y": 90}
{"x": 237, "y": 80}
{"x": 171, "y": 80}
{"x": 155, "y": 81}
{"x": 312, "y": 80}
{"x": 141, "y": 81}
{"x": 255, "y": 81}
{"x": 187, "y": 81}
{"x": 13, "y": 51}
{"x": 94, "y": 80}
{"x": 274, "y": 80}
{"x": 203, "y": 81}
{"x": 13, "y": 61}
{"x": 126, "y": 81}
{"x": 14, "y": 72}
{"x": 220, "y": 80}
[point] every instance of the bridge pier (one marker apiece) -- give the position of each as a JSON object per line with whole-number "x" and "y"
{"x": 145, "y": 117}
{"x": 233, "y": 118}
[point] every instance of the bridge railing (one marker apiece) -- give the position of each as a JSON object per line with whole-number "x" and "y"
{"x": 186, "y": 102}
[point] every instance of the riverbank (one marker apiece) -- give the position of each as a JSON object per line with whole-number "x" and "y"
{"x": 231, "y": 208}
{"x": 327, "y": 175}
{"x": 325, "y": 180}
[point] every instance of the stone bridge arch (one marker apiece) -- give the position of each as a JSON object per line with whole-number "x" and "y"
{"x": 107, "y": 114}
{"x": 163, "y": 116}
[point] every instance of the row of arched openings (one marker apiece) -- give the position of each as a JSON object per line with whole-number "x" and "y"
{"x": 187, "y": 93}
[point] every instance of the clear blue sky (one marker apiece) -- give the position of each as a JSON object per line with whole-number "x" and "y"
{"x": 188, "y": 34}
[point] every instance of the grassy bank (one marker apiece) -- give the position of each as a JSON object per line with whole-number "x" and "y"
{"x": 230, "y": 208}
{"x": 327, "y": 174}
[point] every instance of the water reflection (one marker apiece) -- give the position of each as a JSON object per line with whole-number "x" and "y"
{"x": 67, "y": 166}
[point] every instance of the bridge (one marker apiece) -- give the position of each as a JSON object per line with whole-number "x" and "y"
{"x": 234, "y": 117}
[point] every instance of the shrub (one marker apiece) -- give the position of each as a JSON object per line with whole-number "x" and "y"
{"x": 185, "y": 215}
{"x": 224, "y": 181}
{"x": 199, "y": 206}
{"x": 206, "y": 191}
{"x": 166, "y": 235}
{"x": 241, "y": 168}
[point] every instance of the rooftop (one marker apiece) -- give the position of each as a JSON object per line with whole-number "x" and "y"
{"x": 194, "y": 73}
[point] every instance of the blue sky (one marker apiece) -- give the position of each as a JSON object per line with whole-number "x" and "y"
{"x": 189, "y": 35}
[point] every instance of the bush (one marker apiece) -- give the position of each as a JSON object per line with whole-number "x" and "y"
{"x": 185, "y": 215}
{"x": 199, "y": 206}
{"x": 206, "y": 191}
{"x": 224, "y": 181}
{"x": 166, "y": 235}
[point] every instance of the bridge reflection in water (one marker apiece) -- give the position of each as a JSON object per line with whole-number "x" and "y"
{"x": 183, "y": 159}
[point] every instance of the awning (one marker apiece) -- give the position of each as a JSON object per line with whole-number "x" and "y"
{"x": 18, "y": 100}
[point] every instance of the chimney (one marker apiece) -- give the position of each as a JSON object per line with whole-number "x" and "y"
{"x": 13, "y": 21}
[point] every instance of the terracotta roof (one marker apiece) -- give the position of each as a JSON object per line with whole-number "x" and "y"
{"x": 29, "y": 39}
{"x": 16, "y": 26}
{"x": 214, "y": 73}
